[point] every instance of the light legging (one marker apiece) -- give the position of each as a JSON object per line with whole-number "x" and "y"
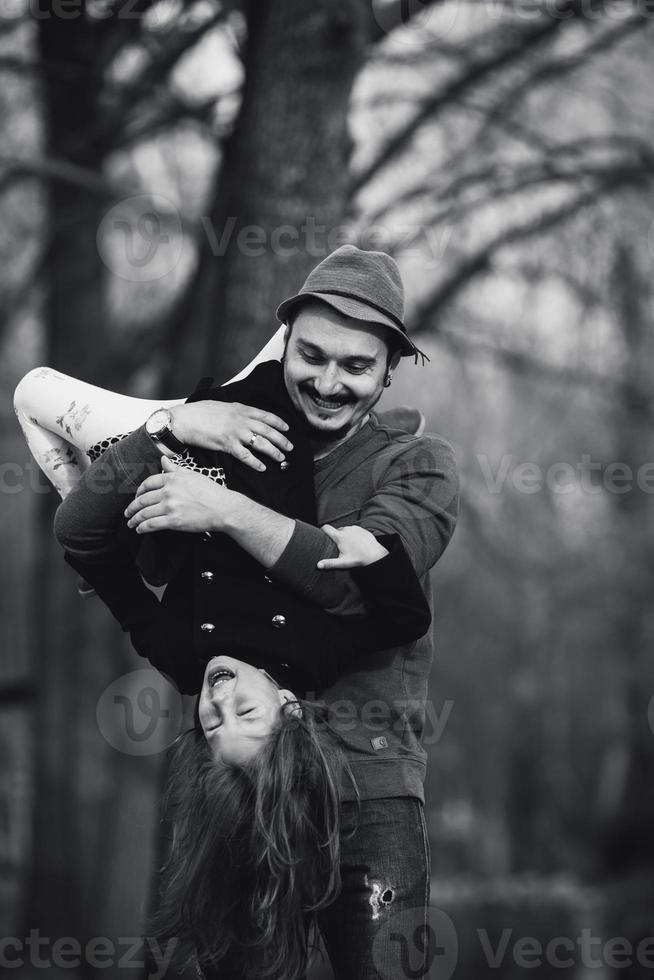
{"x": 67, "y": 422}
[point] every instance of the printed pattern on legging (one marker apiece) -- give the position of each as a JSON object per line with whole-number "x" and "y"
{"x": 185, "y": 459}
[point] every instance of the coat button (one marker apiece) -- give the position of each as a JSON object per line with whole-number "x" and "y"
{"x": 279, "y": 622}
{"x": 267, "y": 578}
{"x": 206, "y": 536}
{"x": 285, "y": 666}
{"x": 207, "y": 627}
{"x": 207, "y": 577}
{"x": 283, "y": 466}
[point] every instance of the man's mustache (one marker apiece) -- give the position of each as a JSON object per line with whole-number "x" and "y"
{"x": 340, "y": 400}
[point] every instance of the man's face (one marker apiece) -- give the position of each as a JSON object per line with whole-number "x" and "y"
{"x": 334, "y": 369}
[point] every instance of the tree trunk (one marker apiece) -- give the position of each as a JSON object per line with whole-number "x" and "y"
{"x": 83, "y": 814}
{"x": 630, "y": 843}
{"x": 282, "y": 186}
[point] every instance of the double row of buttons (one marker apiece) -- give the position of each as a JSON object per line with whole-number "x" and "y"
{"x": 278, "y": 621}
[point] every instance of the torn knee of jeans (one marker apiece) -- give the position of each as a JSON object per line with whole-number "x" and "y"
{"x": 380, "y": 894}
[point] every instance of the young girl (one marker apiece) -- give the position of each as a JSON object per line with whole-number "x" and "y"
{"x": 256, "y": 784}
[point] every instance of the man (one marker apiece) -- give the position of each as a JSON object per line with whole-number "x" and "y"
{"x": 344, "y": 339}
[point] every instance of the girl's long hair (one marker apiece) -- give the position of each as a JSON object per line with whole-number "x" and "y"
{"x": 254, "y": 850}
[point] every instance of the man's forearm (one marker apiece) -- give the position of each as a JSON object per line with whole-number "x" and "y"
{"x": 261, "y": 532}
{"x": 270, "y": 538}
{"x": 297, "y": 567}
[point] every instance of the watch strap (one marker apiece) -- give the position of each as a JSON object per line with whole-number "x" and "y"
{"x": 167, "y": 438}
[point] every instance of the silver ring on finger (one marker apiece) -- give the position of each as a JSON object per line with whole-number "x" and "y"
{"x": 253, "y": 439}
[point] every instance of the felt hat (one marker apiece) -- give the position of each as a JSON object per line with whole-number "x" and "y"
{"x": 359, "y": 284}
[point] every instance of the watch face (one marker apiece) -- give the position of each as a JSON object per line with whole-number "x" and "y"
{"x": 158, "y": 422}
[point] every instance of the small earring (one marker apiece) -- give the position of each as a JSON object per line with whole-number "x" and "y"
{"x": 388, "y": 379}
{"x": 295, "y": 708}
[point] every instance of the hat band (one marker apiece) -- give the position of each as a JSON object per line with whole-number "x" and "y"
{"x": 365, "y": 302}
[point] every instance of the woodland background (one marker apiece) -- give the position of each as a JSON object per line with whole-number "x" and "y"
{"x": 168, "y": 173}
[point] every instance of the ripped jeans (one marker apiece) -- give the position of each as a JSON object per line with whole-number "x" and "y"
{"x": 376, "y": 928}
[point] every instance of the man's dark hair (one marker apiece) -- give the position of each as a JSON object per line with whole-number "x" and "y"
{"x": 393, "y": 342}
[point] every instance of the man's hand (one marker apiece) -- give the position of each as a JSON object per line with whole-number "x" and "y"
{"x": 356, "y": 547}
{"x": 232, "y": 428}
{"x": 178, "y": 499}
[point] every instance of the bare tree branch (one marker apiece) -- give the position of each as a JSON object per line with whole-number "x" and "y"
{"x": 523, "y": 364}
{"x": 499, "y": 116}
{"x": 636, "y": 170}
{"x": 60, "y": 170}
{"x": 130, "y": 98}
{"x": 531, "y": 272}
{"x": 555, "y": 69}
{"x": 481, "y": 258}
{"x": 525, "y": 41}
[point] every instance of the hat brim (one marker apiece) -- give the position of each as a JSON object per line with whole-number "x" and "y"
{"x": 354, "y": 308}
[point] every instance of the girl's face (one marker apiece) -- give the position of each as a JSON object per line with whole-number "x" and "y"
{"x": 239, "y": 708}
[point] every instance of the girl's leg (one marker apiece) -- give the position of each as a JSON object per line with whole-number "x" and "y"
{"x": 67, "y": 423}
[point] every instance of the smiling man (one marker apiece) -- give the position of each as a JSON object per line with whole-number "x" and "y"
{"x": 345, "y": 336}
{"x": 335, "y": 375}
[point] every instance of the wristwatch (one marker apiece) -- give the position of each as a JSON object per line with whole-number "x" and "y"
{"x": 160, "y": 429}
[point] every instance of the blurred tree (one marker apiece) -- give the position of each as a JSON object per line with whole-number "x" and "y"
{"x": 80, "y": 782}
{"x": 282, "y": 185}
{"x": 627, "y": 824}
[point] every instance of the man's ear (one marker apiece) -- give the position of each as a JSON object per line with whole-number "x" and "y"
{"x": 287, "y": 336}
